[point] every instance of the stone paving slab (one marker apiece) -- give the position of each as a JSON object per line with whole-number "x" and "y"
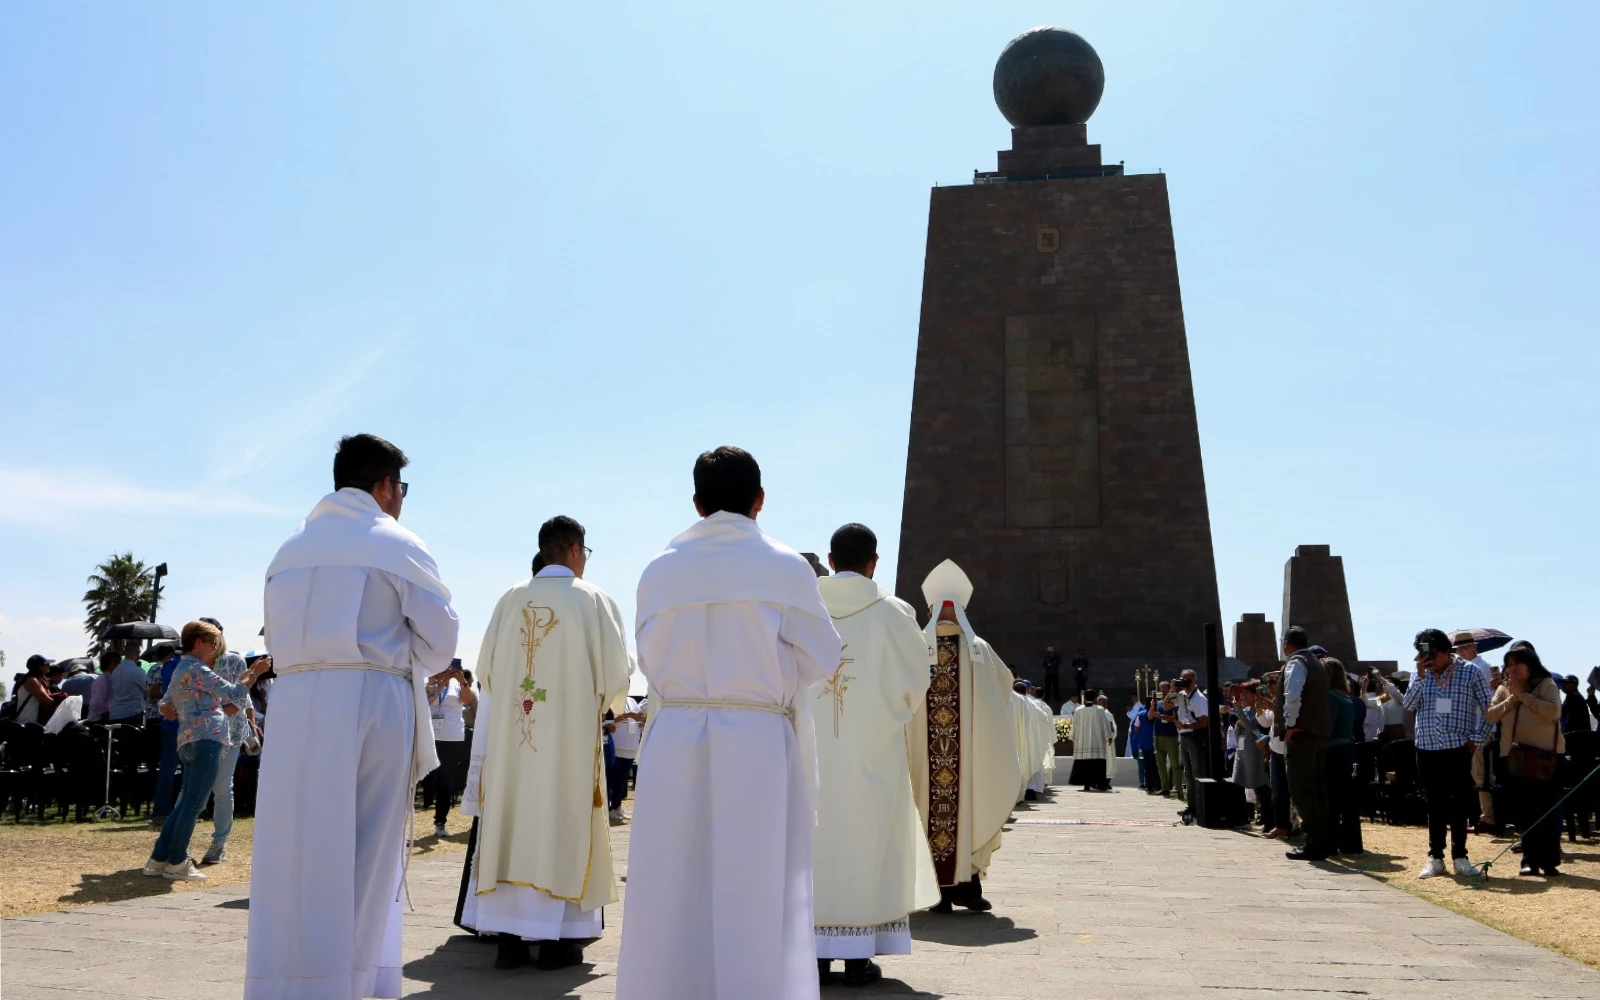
{"x": 1083, "y": 909}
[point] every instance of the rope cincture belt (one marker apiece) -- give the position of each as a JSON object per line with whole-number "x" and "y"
{"x": 411, "y": 812}
{"x": 787, "y": 711}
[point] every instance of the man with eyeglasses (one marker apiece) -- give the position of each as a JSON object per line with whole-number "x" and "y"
{"x": 1448, "y": 699}
{"x": 357, "y": 619}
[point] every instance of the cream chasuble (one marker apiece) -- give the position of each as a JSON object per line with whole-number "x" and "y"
{"x": 868, "y": 846}
{"x": 553, "y": 659}
{"x": 1047, "y": 733}
{"x": 1030, "y": 753}
{"x": 964, "y": 766}
{"x": 1094, "y": 733}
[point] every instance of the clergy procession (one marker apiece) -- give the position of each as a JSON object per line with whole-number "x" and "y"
{"x": 817, "y": 763}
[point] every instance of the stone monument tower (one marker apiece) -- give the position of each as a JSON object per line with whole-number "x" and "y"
{"x": 1054, "y": 452}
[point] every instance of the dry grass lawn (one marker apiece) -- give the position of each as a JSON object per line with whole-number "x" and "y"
{"x": 53, "y": 865}
{"x": 1562, "y": 914}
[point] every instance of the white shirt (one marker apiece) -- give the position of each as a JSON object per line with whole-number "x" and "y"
{"x": 1484, "y": 669}
{"x": 625, "y": 740}
{"x": 445, "y": 710}
{"x": 1193, "y": 707}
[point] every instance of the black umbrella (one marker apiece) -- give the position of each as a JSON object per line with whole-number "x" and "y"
{"x": 139, "y": 630}
{"x": 86, "y": 662}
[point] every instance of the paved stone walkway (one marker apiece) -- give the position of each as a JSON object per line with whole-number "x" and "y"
{"x": 1124, "y": 906}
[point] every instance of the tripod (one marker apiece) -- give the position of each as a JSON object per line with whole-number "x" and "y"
{"x": 108, "y": 810}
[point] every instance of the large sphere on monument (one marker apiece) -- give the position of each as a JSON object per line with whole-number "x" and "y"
{"x": 1048, "y": 76}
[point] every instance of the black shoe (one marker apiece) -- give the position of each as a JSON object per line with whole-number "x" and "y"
{"x": 1301, "y": 854}
{"x": 824, "y": 971}
{"x": 1527, "y": 870}
{"x": 977, "y": 904}
{"x": 1029, "y": 796}
{"x": 943, "y": 907}
{"x": 558, "y": 955}
{"x": 1354, "y": 852}
{"x": 861, "y": 972}
{"x": 513, "y": 953}
{"x": 1553, "y": 872}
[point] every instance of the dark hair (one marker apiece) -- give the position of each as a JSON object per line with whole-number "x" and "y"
{"x": 1296, "y": 636}
{"x": 853, "y": 547}
{"x": 109, "y": 659}
{"x": 539, "y": 563}
{"x": 727, "y": 479}
{"x": 556, "y": 536}
{"x": 1523, "y": 652}
{"x": 365, "y": 460}
{"x": 1433, "y": 640}
{"x": 1019, "y": 686}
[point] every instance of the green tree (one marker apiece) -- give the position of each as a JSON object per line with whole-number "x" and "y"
{"x": 119, "y": 591}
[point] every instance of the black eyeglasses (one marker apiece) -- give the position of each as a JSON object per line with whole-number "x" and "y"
{"x": 587, "y": 552}
{"x": 404, "y": 488}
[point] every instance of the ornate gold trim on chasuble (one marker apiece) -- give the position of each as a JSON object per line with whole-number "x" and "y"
{"x": 944, "y": 758}
{"x": 835, "y": 687}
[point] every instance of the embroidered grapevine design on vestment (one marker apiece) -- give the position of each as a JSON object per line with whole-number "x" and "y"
{"x": 537, "y": 624}
{"x": 836, "y": 686}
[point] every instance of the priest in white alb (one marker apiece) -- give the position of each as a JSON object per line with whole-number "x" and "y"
{"x": 357, "y": 619}
{"x": 868, "y": 850}
{"x": 1047, "y": 731}
{"x": 965, "y": 770}
{"x": 1026, "y": 734}
{"x": 1094, "y": 743}
{"x": 554, "y": 658}
{"x": 731, "y": 633}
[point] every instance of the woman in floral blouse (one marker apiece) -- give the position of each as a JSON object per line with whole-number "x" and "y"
{"x": 201, "y": 701}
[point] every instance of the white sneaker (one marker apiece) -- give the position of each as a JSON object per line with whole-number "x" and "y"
{"x": 440, "y": 830}
{"x": 1465, "y": 868}
{"x": 617, "y": 816}
{"x": 1435, "y": 866}
{"x": 154, "y": 868}
{"x": 185, "y": 872}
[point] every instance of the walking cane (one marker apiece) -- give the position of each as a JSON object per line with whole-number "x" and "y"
{"x": 107, "y": 809}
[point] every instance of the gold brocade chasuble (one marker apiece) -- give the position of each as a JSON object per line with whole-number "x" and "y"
{"x": 553, "y": 659}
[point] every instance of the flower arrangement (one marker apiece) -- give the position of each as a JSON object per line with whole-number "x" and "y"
{"x": 1063, "y": 729}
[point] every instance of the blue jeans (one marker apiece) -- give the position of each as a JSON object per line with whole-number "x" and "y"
{"x": 222, "y": 789}
{"x": 166, "y": 773}
{"x": 200, "y": 761}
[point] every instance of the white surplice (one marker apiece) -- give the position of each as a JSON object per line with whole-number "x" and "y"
{"x": 988, "y": 776}
{"x": 343, "y": 751}
{"x": 1030, "y": 755}
{"x": 1094, "y": 733}
{"x": 554, "y": 657}
{"x": 718, "y": 901}
{"x": 1047, "y": 733}
{"x": 868, "y": 847}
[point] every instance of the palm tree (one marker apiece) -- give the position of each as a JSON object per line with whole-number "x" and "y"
{"x": 119, "y": 591}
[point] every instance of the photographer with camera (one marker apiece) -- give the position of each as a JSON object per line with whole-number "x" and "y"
{"x": 1194, "y": 714}
{"x": 449, "y": 691}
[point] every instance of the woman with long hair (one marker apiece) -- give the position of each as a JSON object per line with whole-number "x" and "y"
{"x": 1528, "y": 708}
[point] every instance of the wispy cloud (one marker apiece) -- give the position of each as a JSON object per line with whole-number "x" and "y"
{"x": 290, "y": 422}
{"x": 54, "y": 497}
{"x": 56, "y": 638}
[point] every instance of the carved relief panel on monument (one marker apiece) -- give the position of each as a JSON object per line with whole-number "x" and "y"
{"x": 1052, "y": 415}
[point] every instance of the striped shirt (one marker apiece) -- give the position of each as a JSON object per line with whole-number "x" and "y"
{"x": 1449, "y": 707}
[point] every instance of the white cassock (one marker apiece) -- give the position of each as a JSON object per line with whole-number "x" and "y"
{"x": 1045, "y": 768}
{"x": 731, "y": 632}
{"x": 357, "y": 620}
{"x": 1030, "y": 755}
{"x": 868, "y": 847}
{"x": 555, "y": 656}
{"x": 964, "y": 766}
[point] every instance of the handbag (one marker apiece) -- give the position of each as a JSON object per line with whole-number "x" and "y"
{"x": 1530, "y": 763}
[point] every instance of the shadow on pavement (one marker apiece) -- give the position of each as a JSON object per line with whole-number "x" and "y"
{"x": 130, "y": 884}
{"x": 965, "y": 928}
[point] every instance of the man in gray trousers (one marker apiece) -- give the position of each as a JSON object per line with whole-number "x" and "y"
{"x": 1301, "y": 719}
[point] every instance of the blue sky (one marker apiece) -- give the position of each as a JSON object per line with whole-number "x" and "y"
{"x": 554, "y": 251}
